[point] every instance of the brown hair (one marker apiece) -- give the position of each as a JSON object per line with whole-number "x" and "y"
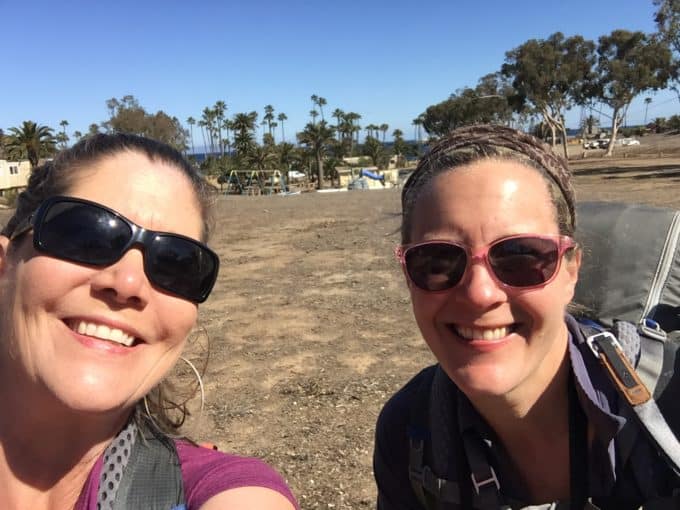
{"x": 473, "y": 143}
{"x": 165, "y": 403}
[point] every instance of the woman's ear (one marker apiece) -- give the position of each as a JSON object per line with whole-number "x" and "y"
{"x": 572, "y": 263}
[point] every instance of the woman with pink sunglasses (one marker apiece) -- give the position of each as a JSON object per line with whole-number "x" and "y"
{"x": 514, "y": 414}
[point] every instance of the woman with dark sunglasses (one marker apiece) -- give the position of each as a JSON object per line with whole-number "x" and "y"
{"x": 513, "y": 414}
{"x": 102, "y": 267}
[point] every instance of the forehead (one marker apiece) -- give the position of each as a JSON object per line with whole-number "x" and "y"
{"x": 490, "y": 197}
{"x": 154, "y": 194}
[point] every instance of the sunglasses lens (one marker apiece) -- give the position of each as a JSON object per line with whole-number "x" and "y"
{"x": 181, "y": 267}
{"x": 82, "y": 233}
{"x": 435, "y": 266}
{"x": 524, "y": 261}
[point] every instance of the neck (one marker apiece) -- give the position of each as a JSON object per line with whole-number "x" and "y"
{"x": 532, "y": 424}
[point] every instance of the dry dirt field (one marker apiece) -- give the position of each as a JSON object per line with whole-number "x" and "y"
{"x": 310, "y": 326}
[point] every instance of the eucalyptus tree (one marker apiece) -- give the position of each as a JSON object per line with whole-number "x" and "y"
{"x": 551, "y": 75}
{"x": 282, "y": 117}
{"x": 192, "y": 122}
{"x": 628, "y": 64}
{"x": 30, "y": 141}
{"x": 317, "y": 137}
{"x": 667, "y": 19}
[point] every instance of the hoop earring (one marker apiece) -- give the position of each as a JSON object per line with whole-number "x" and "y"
{"x": 200, "y": 384}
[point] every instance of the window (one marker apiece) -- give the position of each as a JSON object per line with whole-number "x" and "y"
{"x": 13, "y": 170}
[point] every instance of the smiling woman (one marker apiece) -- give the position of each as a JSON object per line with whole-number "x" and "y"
{"x": 101, "y": 270}
{"x": 515, "y": 414}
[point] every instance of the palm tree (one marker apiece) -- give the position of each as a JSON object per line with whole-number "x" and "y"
{"x": 192, "y": 122}
{"x": 77, "y": 135}
{"x": 313, "y": 114}
{"x": 316, "y": 137}
{"x": 338, "y": 114}
{"x": 243, "y": 125}
{"x": 64, "y": 137}
{"x": 282, "y": 117}
{"x": 648, "y": 100}
{"x": 268, "y": 117}
{"x": 260, "y": 157}
{"x": 321, "y": 102}
{"x": 30, "y": 141}
{"x": 220, "y": 109}
{"x": 384, "y": 128}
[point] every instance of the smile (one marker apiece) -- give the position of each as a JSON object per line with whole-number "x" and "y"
{"x": 489, "y": 334}
{"x": 102, "y": 332}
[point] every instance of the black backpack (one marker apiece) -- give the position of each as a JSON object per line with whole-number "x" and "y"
{"x": 628, "y": 300}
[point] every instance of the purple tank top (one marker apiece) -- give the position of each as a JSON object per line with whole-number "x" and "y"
{"x": 205, "y": 473}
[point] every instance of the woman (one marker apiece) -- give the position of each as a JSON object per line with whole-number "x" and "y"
{"x": 102, "y": 267}
{"x": 515, "y": 413}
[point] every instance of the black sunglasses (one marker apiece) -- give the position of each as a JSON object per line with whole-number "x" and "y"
{"x": 86, "y": 232}
{"x": 525, "y": 261}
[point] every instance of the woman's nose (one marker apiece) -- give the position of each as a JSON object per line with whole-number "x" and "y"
{"x": 125, "y": 280}
{"x": 480, "y": 287}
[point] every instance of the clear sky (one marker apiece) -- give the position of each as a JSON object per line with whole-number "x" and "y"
{"x": 385, "y": 59}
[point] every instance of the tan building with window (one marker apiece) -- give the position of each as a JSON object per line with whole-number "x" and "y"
{"x": 13, "y": 175}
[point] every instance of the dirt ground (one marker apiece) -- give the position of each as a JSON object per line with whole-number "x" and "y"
{"x": 311, "y": 331}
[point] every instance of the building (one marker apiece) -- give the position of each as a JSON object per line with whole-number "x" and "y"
{"x": 13, "y": 175}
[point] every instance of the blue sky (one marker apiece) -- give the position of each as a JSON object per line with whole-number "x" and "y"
{"x": 387, "y": 60}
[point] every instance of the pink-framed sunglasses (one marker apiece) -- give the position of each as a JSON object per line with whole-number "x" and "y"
{"x": 523, "y": 261}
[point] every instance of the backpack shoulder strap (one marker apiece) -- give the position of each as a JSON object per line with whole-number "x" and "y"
{"x": 152, "y": 478}
{"x": 608, "y": 346}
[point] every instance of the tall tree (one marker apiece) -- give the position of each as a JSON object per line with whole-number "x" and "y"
{"x": 628, "y": 64}
{"x": 30, "y": 141}
{"x": 667, "y": 18}
{"x": 220, "y": 110}
{"x": 282, "y": 117}
{"x": 192, "y": 122}
{"x": 551, "y": 75}
{"x": 317, "y": 137}
{"x": 63, "y": 139}
{"x": 383, "y": 128}
{"x": 268, "y": 118}
{"x": 243, "y": 125}
{"x": 399, "y": 147}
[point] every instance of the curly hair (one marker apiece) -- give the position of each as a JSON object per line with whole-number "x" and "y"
{"x": 167, "y": 402}
{"x": 487, "y": 141}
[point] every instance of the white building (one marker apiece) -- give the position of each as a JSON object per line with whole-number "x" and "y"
{"x": 13, "y": 175}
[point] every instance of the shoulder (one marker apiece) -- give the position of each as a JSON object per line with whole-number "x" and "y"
{"x": 399, "y": 408}
{"x": 208, "y": 474}
{"x": 391, "y": 449}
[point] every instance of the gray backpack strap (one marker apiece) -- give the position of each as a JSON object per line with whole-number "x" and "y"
{"x": 150, "y": 479}
{"x": 610, "y": 351}
{"x": 652, "y": 352}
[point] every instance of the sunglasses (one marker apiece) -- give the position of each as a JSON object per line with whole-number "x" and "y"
{"x": 85, "y": 232}
{"x": 524, "y": 261}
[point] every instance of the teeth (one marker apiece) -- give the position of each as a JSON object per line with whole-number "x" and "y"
{"x": 102, "y": 332}
{"x": 482, "y": 334}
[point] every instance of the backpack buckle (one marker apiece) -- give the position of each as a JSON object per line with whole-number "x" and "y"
{"x": 491, "y": 480}
{"x": 593, "y": 342}
{"x": 651, "y": 328}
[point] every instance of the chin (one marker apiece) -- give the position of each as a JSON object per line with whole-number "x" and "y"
{"x": 488, "y": 381}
